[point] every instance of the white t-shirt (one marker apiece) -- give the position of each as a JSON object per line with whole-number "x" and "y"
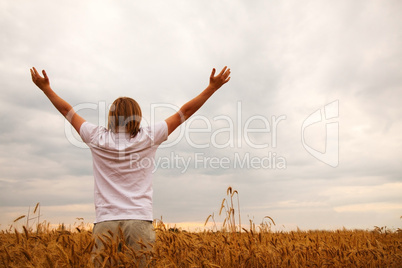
{"x": 122, "y": 169}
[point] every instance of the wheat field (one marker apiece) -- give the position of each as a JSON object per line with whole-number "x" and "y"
{"x": 230, "y": 246}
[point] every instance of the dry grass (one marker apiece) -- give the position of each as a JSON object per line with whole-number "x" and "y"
{"x": 294, "y": 249}
{"x": 228, "y": 247}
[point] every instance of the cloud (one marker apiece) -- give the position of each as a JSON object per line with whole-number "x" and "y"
{"x": 370, "y": 207}
{"x": 287, "y": 58}
{"x": 366, "y": 194}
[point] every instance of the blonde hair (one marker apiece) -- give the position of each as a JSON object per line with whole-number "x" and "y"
{"x": 125, "y": 112}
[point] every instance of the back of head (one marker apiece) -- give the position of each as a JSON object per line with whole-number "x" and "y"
{"x": 125, "y": 115}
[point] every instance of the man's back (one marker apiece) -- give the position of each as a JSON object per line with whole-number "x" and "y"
{"x": 122, "y": 167}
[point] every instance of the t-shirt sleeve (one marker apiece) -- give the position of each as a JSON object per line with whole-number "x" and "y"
{"x": 88, "y": 131}
{"x": 160, "y": 132}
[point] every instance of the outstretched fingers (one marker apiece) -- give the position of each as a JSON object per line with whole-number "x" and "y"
{"x": 33, "y": 73}
{"x": 220, "y": 79}
{"x": 227, "y": 73}
{"x": 213, "y": 73}
{"x": 44, "y": 74}
{"x": 41, "y": 82}
{"x": 223, "y": 70}
{"x": 226, "y": 76}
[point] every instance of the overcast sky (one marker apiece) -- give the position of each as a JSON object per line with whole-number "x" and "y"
{"x": 308, "y": 130}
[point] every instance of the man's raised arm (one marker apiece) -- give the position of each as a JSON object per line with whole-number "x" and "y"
{"x": 61, "y": 105}
{"x": 188, "y": 109}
